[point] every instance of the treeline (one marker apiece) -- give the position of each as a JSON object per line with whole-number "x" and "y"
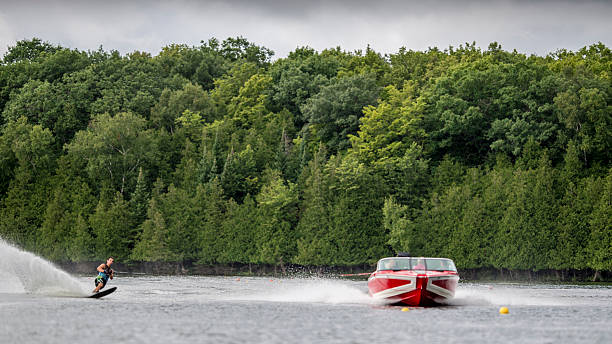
{"x": 218, "y": 154}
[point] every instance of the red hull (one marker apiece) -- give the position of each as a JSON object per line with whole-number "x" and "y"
{"x": 413, "y": 288}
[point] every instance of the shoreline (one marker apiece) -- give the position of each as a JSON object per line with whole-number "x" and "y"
{"x": 238, "y": 269}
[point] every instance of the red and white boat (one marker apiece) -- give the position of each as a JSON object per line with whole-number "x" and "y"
{"x": 414, "y": 281}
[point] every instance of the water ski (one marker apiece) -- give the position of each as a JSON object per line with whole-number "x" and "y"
{"x": 102, "y": 293}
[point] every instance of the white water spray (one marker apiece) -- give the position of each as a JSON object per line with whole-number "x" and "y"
{"x": 504, "y": 295}
{"x": 307, "y": 291}
{"x": 24, "y": 272}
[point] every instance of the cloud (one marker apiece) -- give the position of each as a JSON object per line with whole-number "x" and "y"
{"x": 530, "y": 27}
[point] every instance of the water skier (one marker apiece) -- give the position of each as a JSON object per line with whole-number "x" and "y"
{"x": 104, "y": 273}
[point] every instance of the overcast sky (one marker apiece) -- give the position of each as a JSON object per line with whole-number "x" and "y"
{"x": 538, "y": 27}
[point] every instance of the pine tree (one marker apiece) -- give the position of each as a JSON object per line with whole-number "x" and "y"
{"x": 112, "y": 225}
{"x": 140, "y": 199}
{"x": 152, "y": 244}
{"x": 600, "y": 241}
{"x": 82, "y": 244}
{"x": 314, "y": 246}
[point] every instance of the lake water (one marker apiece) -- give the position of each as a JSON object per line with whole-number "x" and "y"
{"x": 148, "y": 309}
{"x": 40, "y": 303}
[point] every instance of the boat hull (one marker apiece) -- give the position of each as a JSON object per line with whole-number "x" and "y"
{"x": 413, "y": 288}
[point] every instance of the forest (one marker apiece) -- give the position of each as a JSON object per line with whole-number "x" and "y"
{"x": 221, "y": 153}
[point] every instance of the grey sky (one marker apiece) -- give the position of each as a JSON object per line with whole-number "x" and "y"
{"x": 528, "y": 26}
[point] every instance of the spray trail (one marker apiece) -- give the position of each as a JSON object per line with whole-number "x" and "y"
{"x": 24, "y": 272}
{"x": 500, "y": 294}
{"x": 306, "y": 291}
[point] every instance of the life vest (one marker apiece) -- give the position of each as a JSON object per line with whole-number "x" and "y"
{"x": 107, "y": 269}
{"x": 106, "y": 274}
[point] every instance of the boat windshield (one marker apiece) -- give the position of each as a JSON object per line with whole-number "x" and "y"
{"x": 412, "y": 263}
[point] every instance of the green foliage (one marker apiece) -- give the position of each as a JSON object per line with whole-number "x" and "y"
{"x": 228, "y": 87}
{"x": 82, "y": 244}
{"x": 113, "y": 227}
{"x": 170, "y": 231}
{"x": 314, "y": 246}
{"x": 216, "y": 154}
{"x": 128, "y": 84}
{"x": 493, "y": 104}
{"x": 211, "y": 205}
{"x": 140, "y": 198}
{"x": 238, "y": 229}
{"x": 54, "y": 106}
{"x": 28, "y": 50}
{"x": 387, "y": 130}
{"x": 417, "y": 66}
{"x": 200, "y": 65}
{"x": 64, "y": 233}
{"x": 335, "y": 111}
{"x": 531, "y": 205}
{"x": 239, "y": 48}
{"x": 173, "y": 104}
{"x": 356, "y": 213}
{"x": 599, "y": 248}
{"x": 298, "y": 78}
{"x": 239, "y": 176}
{"x": 29, "y": 151}
{"x": 277, "y": 211}
{"x": 368, "y": 63}
{"x": 586, "y": 114}
{"x": 154, "y": 239}
{"x": 397, "y": 223}
{"x": 342, "y": 222}
{"x": 573, "y": 227}
{"x": 115, "y": 148}
{"x": 248, "y": 107}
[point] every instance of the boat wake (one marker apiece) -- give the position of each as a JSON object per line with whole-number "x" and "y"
{"x": 308, "y": 291}
{"x": 23, "y": 272}
{"x": 502, "y": 295}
